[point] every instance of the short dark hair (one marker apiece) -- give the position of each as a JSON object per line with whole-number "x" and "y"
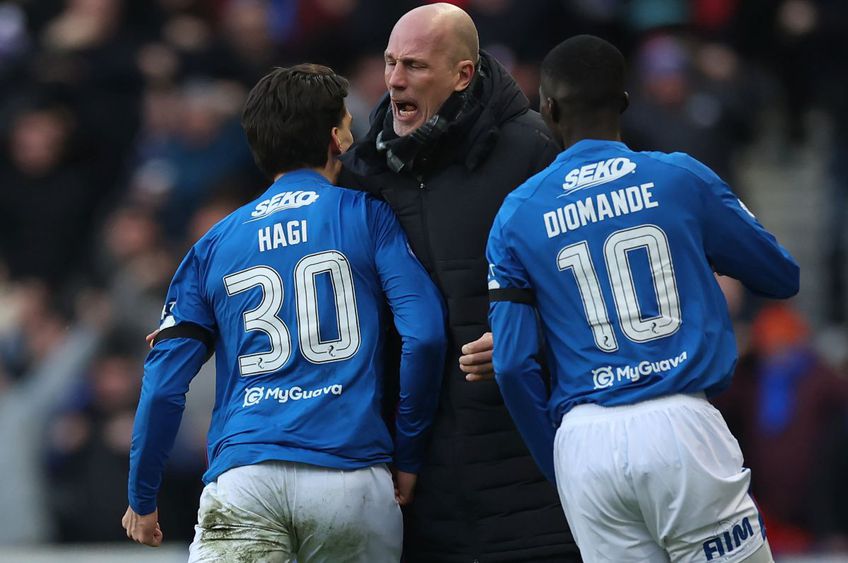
{"x": 289, "y": 115}
{"x": 586, "y": 72}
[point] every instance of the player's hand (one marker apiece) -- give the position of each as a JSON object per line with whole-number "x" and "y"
{"x": 476, "y": 359}
{"x": 143, "y": 529}
{"x": 149, "y": 338}
{"x": 404, "y": 487}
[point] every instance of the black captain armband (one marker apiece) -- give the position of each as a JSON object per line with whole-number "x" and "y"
{"x": 188, "y": 330}
{"x": 513, "y": 295}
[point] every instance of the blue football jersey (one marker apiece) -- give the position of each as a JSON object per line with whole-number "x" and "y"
{"x": 618, "y": 249}
{"x": 291, "y": 292}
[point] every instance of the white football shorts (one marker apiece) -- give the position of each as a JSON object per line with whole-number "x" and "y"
{"x": 660, "y": 480}
{"x": 280, "y": 512}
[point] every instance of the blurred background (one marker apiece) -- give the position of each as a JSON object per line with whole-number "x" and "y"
{"x": 121, "y": 146}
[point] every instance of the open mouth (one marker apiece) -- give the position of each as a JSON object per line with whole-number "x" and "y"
{"x": 404, "y": 110}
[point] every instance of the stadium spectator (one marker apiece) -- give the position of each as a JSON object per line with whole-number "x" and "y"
{"x": 134, "y": 266}
{"x": 89, "y": 50}
{"x": 693, "y": 103}
{"x": 790, "y": 411}
{"x": 181, "y": 165}
{"x": 88, "y": 446}
{"x": 44, "y": 183}
{"x": 50, "y": 374}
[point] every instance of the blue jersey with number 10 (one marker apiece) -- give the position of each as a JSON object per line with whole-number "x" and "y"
{"x": 619, "y": 249}
{"x": 291, "y": 289}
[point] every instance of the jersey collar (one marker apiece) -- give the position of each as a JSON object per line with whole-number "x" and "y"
{"x": 586, "y": 145}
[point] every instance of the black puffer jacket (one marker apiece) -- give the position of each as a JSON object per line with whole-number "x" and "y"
{"x": 480, "y": 496}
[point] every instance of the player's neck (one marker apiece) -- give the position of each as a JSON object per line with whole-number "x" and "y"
{"x": 330, "y": 171}
{"x": 596, "y": 133}
{"x": 600, "y": 126}
{"x": 594, "y": 136}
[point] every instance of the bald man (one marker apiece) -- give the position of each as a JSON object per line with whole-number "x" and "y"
{"x": 452, "y": 137}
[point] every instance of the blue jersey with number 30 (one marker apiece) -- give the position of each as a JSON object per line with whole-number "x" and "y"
{"x": 292, "y": 290}
{"x": 619, "y": 249}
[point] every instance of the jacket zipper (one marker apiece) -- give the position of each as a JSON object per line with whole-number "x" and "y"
{"x": 431, "y": 257}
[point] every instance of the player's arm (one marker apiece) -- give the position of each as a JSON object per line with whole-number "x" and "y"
{"x": 476, "y": 358}
{"x": 168, "y": 370}
{"x": 419, "y": 316}
{"x": 517, "y": 345}
{"x": 739, "y": 246}
{"x": 181, "y": 347}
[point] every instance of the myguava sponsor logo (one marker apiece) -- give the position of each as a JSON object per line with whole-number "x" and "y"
{"x": 255, "y": 395}
{"x": 252, "y": 396}
{"x": 603, "y": 377}
{"x": 281, "y": 202}
{"x": 607, "y": 376}
{"x": 597, "y": 173}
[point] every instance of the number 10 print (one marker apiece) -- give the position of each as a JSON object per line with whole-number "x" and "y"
{"x": 650, "y": 237}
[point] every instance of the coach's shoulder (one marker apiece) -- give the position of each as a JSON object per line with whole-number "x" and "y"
{"x": 530, "y": 126}
{"x": 528, "y": 140}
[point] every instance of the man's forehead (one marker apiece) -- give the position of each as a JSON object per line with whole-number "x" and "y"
{"x": 417, "y": 43}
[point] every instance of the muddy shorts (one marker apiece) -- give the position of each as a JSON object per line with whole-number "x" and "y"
{"x": 280, "y": 512}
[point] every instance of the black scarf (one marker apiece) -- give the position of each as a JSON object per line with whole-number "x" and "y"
{"x": 402, "y": 153}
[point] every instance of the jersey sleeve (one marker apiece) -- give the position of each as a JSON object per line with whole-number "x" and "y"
{"x": 737, "y": 244}
{"x": 517, "y": 345}
{"x": 180, "y": 349}
{"x": 419, "y": 316}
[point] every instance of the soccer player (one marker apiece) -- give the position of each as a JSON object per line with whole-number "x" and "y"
{"x": 615, "y": 251}
{"x": 289, "y": 291}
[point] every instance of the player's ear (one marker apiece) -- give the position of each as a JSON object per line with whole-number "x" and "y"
{"x": 336, "y": 147}
{"x": 625, "y": 102}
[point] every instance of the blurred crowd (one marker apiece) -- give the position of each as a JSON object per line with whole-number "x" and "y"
{"x": 121, "y": 146}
